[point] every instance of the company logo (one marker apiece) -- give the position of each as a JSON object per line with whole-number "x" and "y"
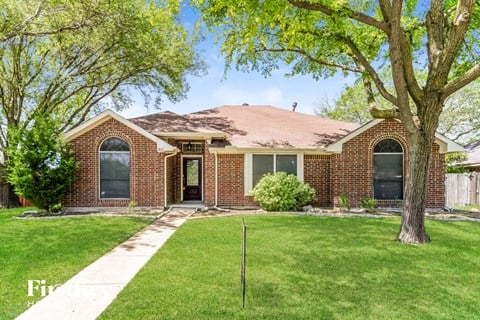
{"x": 38, "y": 289}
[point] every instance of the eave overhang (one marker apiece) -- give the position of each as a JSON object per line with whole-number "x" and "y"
{"x": 108, "y": 114}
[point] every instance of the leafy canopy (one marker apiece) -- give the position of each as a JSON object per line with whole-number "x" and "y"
{"x": 459, "y": 121}
{"x": 72, "y": 57}
{"x": 431, "y": 49}
{"x": 320, "y": 38}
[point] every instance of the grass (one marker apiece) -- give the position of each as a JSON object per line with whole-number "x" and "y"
{"x": 52, "y": 250}
{"x": 305, "y": 267}
{"x": 467, "y": 208}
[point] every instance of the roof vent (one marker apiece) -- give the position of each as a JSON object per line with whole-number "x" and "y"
{"x": 245, "y": 104}
{"x": 294, "y": 106}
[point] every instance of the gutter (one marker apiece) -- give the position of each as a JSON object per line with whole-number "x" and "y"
{"x": 234, "y": 150}
{"x": 216, "y": 178}
{"x": 175, "y": 151}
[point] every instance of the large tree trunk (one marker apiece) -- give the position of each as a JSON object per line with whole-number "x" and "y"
{"x": 412, "y": 229}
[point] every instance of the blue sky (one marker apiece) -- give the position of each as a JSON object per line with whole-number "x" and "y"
{"x": 214, "y": 89}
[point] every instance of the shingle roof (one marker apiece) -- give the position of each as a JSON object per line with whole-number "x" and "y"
{"x": 252, "y": 126}
{"x": 473, "y": 154}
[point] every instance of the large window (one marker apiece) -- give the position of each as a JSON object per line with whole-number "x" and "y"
{"x": 388, "y": 170}
{"x": 114, "y": 169}
{"x": 270, "y": 163}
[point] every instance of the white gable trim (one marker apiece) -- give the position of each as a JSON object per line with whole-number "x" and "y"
{"x": 446, "y": 145}
{"x": 338, "y": 146}
{"x": 107, "y": 115}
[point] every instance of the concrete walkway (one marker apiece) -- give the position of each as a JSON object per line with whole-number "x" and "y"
{"x": 88, "y": 294}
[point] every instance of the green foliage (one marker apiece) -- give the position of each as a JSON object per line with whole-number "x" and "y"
{"x": 459, "y": 121}
{"x": 132, "y": 205}
{"x": 282, "y": 192}
{"x": 452, "y": 159}
{"x": 455, "y": 169}
{"x": 41, "y": 165}
{"x": 368, "y": 203}
{"x": 67, "y": 56}
{"x": 349, "y": 107}
{"x": 344, "y": 202}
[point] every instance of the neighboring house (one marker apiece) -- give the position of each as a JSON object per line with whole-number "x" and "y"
{"x": 216, "y": 156}
{"x": 473, "y": 157}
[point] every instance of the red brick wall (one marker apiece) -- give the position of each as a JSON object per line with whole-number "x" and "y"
{"x": 172, "y": 181}
{"x": 317, "y": 175}
{"x": 146, "y": 168}
{"x": 352, "y": 170}
{"x": 231, "y": 181}
{"x": 436, "y": 183}
{"x": 209, "y": 177}
{"x": 349, "y": 173}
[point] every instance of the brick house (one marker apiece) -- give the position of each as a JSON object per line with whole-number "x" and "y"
{"x": 217, "y": 155}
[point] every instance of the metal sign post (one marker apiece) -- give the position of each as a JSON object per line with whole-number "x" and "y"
{"x": 244, "y": 260}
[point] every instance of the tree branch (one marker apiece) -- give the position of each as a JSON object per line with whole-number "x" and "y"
{"x": 457, "y": 31}
{"x": 359, "y": 16}
{"x": 434, "y": 24}
{"x": 439, "y": 72}
{"x": 385, "y": 8}
{"x": 311, "y": 58}
{"x": 460, "y": 82}
{"x": 360, "y": 58}
{"x": 372, "y": 104}
{"x": 398, "y": 66}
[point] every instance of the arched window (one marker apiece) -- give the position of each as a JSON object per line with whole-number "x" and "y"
{"x": 388, "y": 170}
{"x": 114, "y": 169}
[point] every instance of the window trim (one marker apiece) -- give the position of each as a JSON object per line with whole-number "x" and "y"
{"x": 197, "y": 147}
{"x": 99, "y": 168}
{"x": 403, "y": 168}
{"x": 248, "y": 167}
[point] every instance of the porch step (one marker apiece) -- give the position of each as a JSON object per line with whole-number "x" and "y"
{"x": 188, "y": 205}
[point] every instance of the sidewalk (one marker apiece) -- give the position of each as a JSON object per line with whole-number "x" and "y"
{"x": 88, "y": 294}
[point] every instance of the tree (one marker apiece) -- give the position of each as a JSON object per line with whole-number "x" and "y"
{"x": 72, "y": 58}
{"x": 349, "y": 107}
{"x": 42, "y": 165}
{"x": 321, "y": 37}
{"x": 459, "y": 121}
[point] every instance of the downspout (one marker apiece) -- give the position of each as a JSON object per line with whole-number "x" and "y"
{"x": 165, "y": 175}
{"x": 216, "y": 179}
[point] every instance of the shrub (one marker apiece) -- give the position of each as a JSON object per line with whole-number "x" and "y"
{"x": 344, "y": 202}
{"x": 368, "y": 203}
{"x": 41, "y": 166}
{"x": 282, "y": 192}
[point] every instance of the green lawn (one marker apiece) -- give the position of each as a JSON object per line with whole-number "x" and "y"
{"x": 305, "y": 267}
{"x": 52, "y": 250}
{"x": 467, "y": 208}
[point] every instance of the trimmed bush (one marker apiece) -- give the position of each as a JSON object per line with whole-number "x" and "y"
{"x": 282, "y": 192}
{"x": 41, "y": 165}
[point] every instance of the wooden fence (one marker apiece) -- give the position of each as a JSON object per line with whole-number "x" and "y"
{"x": 462, "y": 189}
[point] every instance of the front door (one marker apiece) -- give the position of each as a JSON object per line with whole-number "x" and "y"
{"x": 192, "y": 179}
